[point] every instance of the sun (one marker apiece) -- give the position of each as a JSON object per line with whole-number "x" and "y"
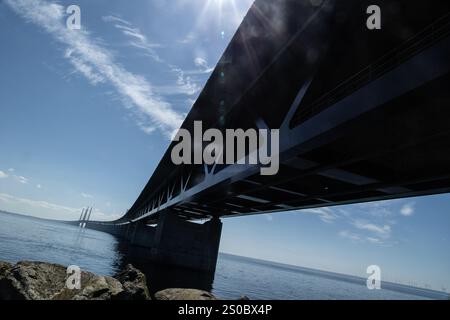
{"x": 222, "y": 10}
{"x": 220, "y": 16}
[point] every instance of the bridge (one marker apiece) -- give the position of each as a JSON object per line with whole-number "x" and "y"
{"x": 363, "y": 116}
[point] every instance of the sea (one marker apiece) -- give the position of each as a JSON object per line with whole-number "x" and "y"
{"x": 24, "y": 238}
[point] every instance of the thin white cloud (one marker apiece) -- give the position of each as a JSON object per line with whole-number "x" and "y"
{"x": 18, "y": 178}
{"x": 407, "y": 210}
{"x": 84, "y": 69}
{"x": 379, "y": 209}
{"x": 115, "y": 19}
{"x": 147, "y": 129}
{"x": 48, "y": 209}
{"x": 21, "y": 179}
{"x": 325, "y": 214}
{"x": 87, "y": 196}
{"x": 137, "y": 38}
{"x": 200, "y": 62}
{"x": 203, "y": 65}
{"x": 349, "y": 235}
{"x": 39, "y": 186}
{"x": 184, "y": 84}
{"x": 101, "y": 216}
{"x": 384, "y": 230}
{"x": 190, "y": 37}
{"x": 359, "y": 238}
{"x": 190, "y": 102}
{"x": 34, "y": 203}
{"x": 371, "y": 222}
{"x": 374, "y": 240}
{"x": 97, "y": 61}
{"x": 15, "y": 177}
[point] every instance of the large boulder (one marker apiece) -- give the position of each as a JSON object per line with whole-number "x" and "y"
{"x": 45, "y": 281}
{"x": 31, "y": 281}
{"x": 184, "y": 294}
{"x": 93, "y": 288}
{"x": 134, "y": 284}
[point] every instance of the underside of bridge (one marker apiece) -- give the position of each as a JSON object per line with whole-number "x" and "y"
{"x": 363, "y": 116}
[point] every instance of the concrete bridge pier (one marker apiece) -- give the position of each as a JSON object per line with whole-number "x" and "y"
{"x": 187, "y": 244}
{"x": 173, "y": 241}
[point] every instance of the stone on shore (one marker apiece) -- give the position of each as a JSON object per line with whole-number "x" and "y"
{"x": 134, "y": 284}
{"x": 184, "y": 294}
{"x": 45, "y": 281}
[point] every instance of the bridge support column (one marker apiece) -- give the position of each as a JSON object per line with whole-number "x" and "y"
{"x": 187, "y": 244}
{"x": 173, "y": 241}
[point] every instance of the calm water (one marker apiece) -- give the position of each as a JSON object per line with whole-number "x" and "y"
{"x": 24, "y": 238}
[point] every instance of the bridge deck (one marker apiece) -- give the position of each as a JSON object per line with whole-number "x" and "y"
{"x": 363, "y": 115}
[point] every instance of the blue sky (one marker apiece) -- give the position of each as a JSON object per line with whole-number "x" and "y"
{"x": 86, "y": 116}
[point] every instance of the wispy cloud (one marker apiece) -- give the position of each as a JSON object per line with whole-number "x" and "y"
{"x": 375, "y": 221}
{"x": 359, "y": 238}
{"x": 189, "y": 38}
{"x": 87, "y": 196}
{"x": 383, "y": 231}
{"x": 327, "y": 215}
{"x": 349, "y": 235}
{"x": 203, "y": 65}
{"x": 407, "y": 209}
{"x": 48, "y": 209}
{"x": 21, "y": 179}
{"x": 83, "y": 68}
{"x": 184, "y": 84}
{"x": 374, "y": 240}
{"x": 97, "y": 63}
{"x": 34, "y": 203}
{"x": 137, "y": 38}
{"x": 11, "y": 174}
{"x": 372, "y": 222}
{"x": 112, "y": 18}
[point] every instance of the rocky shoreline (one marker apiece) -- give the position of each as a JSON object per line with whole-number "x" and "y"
{"x": 46, "y": 281}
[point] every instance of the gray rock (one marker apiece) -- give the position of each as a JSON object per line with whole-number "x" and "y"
{"x": 4, "y": 267}
{"x": 184, "y": 294}
{"x": 45, "y": 281}
{"x": 31, "y": 281}
{"x": 94, "y": 288}
{"x": 5, "y": 283}
{"x": 134, "y": 284}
